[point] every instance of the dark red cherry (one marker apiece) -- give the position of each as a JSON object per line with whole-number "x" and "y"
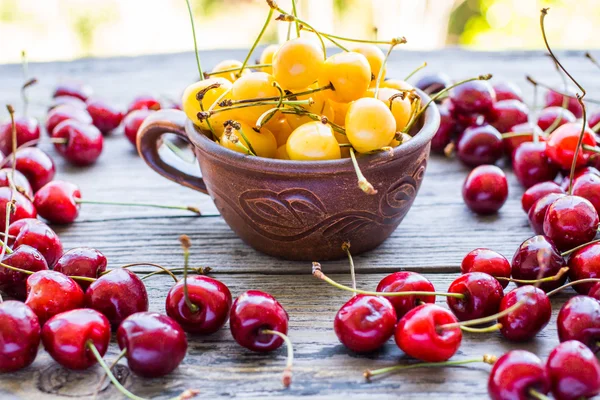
{"x": 73, "y": 89}
{"x": 473, "y": 97}
{"x": 365, "y": 323}
{"x": 420, "y": 334}
{"x": 594, "y": 291}
{"x": 251, "y": 313}
{"x": 515, "y": 374}
{"x": 531, "y": 164}
{"x": 406, "y": 281}
{"x": 28, "y": 129}
{"x": 57, "y": 202}
{"x": 507, "y": 113}
{"x": 132, "y": 123}
{"x": 433, "y": 83}
{"x": 526, "y": 265}
{"x": 574, "y": 371}
{"x": 210, "y": 296}
{"x": 23, "y": 206}
{"x": 548, "y": 117}
{"x": 488, "y": 261}
{"x": 464, "y": 120}
{"x": 519, "y": 134}
{"x": 84, "y": 142}
{"x": 38, "y": 235}
{"x": 536, "y": 192}
{"x": 155, "y": 344}
{"x": 482, "y": 296}
{"x": 531, "y": 317}
{"x": 583, "y": 264}
{"x": 538, "y": 210}
{"x": 24, "y": 257}
{"x": 82, "y": 261}
{"x": 578, "y": 173}
{"x": 50, "y": 293}
{"x": 36, "y": 165}
{"x": 21, "y": 183}
{"x": 19, "y": 336}
{"x": 65, "y": 113}
{"x": 563, "y": 142}
{"x": 479, "y": 145}
{"x": 579, "y": 319}
{"x": 66, "y": 337}
{"x": 144, "y": 102}
{"x": 588, "y": 187}
{"x": 66, "y": 100}
{"x": 485, "y": 190}
{"x": 117, "y": 295}
{"x": 556, "y": 99}
{"x": 105, "y": 116}
{"x": 571, "y": 221}
{"x": 507, "y": 91}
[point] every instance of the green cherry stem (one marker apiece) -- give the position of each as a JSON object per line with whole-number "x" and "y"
{"x": 537, "y": 395}
{"x": 195, "y": 210}
{"x": 573, "y": 283}
{"x": 27, "y": 272}
{"x": 210, "y": 113}
{"x": 487, "y": 329}
{"x": 591, "y": 148}
{"x": 346, "y": 249}
{"x": 287, "y": 372}
{"x": 112, "y": 365}
{"x": 189, "y": 7}
{"x": 589, "y": 56}
{"x": 508, "y": 135}
{"x": 290, "y": 18}
{"x": 276, "y": 98}
{"x": 363, "y": 183}
{"x": 420, "y": 67}
{"x": 547, "y": 86}
{"x": 260, "y": 35}
{"x": 234, "y": 69}
{"x": 552, "y": 278}
{"x": 186, "y": 243}
{"x": 337, "y": 128}
{"x": 387, "y": 55}
{"x": 581, "y": 246}
{"x": 10, "y": 206}
{"x": 199, "y": 271}
{"x": 160, "y": 267}
{"x": 295, "y": 14}
{"x": 399, "y": 40}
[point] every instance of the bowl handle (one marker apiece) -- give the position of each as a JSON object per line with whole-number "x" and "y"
{"x": 148, "y": 140}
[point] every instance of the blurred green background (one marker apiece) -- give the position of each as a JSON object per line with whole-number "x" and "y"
{"x": 68, "y": 29}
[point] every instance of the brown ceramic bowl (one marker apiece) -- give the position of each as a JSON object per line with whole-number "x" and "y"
{"x": 298, "y": 210}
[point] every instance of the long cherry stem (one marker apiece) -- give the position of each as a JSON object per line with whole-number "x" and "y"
{"x": 581, "y": 246}
{"x": 573, "y": 283}
{"x": 363, "y": 183}
{"x": 186, "y": 243}
{"x": 276, "y": 98}
{"x": 234, "y": 69}
{"x": 160, "y": 267}
{"x": 287, "y": 372}
{"x": 414, "y": 71}
{"x": 112, "y": 365}
{"x": 195, "y": 210}
{"x": 552, "y": 278}
{"x": 10, "y": 205}
{"x": 383, "y": 64}
{"x": 27, "y": 272}
{"x": 346, "y": 248}
{"x": 189, "y": 7}
{"x": 487, "y": 329}
{"x": 295, "y": 14}
{"x": 260, "y": 35}
{"x": 537, "y": 395}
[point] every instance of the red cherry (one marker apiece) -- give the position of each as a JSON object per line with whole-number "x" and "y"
{"x": 144, "y": 103}
{"x": 212, "y": 298}
{"x": 82, "y": 261}
{"x": 28, "y": 129}
{"x": 117, "y": 295}
{"x": 583, "y": 264}
{"x": 84, "y": 142}
{"x": 23, "y": 206}
{"x": 57, "y": 202}
{"x": 419, "y": 333}
{"x": 66, "y": 337}
{"x": 531, "y": 164}
{"x": 65, "y": 113}
{"x": 132, "y": 123}
{"x": 536, "y": 192}
{"x": 73, "y": 89}
{"x": 538, "y": 210}
{"x": 531, "y": 317}
{"x": 519, "y": 134}
{"x": 406, "y": 281}
{"x": 465, "y": 120}
{"x": 549, "y": 115}
{"x": 556, "y": 99}
{"x": 574, "y": 371}
{"x": 488, "y": 261}
{"x": 563, "y": 142}
{"x": 593, "y": 119}
{"x": 251, "y": 313}
{"x": 525, "y": 264}
{"x": 50, "y": 293}
{"x": 485, "y": 190}
{"x": 571, "y": 221}
{"x": 38, "y": 235}
{"x": 105, "y": 117}
{"x": 588, "y": 187}
{"x": 36, "y": 165}
{"x": 515, "y": 374}
{"x": 20, "y": 181}
{"x": 433, "y": 83}
{"x": 578, "y": 173}
{"x": 473, "y": 97}
{"x": 19, "y": 336}
{"x": 24, "y": 257}
{"x": 479, "y": 145}
{"x": 594, "y": 291}
{"x": 67, "y": 100}
{"x": 507, "y": 91}
{"x": 482, "y": 296}
{"x": 507, "y": 113}
{"x": 579, "y": 319}
{"x": 155, "y": 344}
{"x": 365, "y": 323}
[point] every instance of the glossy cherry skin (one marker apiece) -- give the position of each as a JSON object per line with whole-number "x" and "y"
{"x": 537, "y": 212}
{"x": 50, "y": 293}
{"x": 155, "y": 343}
{"x": 20, "y": 181}
{"x": 433, "y": 83}
{"x": 105, "y": 116}
{"x": 24, "y": 257}
{"x": 28, "y": 129}
{"x": 536, "y": 192}
{"x": 365, "y": 323}
{"x": 525, "y": 264}
{"x": 56, "y": 202}
{"x": 117, "y": 295}
{"x": 549, "y": 115}
{"x": 473, "y": 97}
{"x": 446, "y": 131}
{"x": 23, "y": 206}
{"x": 579, "y": 319}
{"x": 82, "y": 261}
{"x": 65, "y": 113}
{"x": 532, "y": 316}
{"x": 404, "y": 281}
{"x": 73, "y": 89}
{"x": 583, "y": 264}
{"x": 38, "y": 235}
{"x": 515, "y": 374}
{"x": 593, "y": 119}
{"x": 594, "y": 291}
{"x": 507, "y": 91}
{"x": 507, "y": 113}
{"x": 485, "y": 190}
{"x": 144, "y": 102}
{"x": 66, "y": 100}
{"x": 84, "y": 142}
{"x": 212, "y": 298}
{"x": 19, "y": 336}
{"x": 588, "y": 187}
{"x": 36, "y": 165}
{"x": 488, "y": 261}
{"x": 482, "y": 294}
{"x": 578, "y": 173}
{"x": 574, "y": 371}
{"x": 65, "y": 337}
{"x": 479, "y": 145}
{"x": 132, "y": 123}
{"x": 554, "y": 99}
{"x": 419, "y": 335}
{"x": 563, "y": 142}
{"x": 252, "y": 312}
{"x": 519, "y": 134}
{"x": 531, "y": 164}
{"x": 571, "y": 221}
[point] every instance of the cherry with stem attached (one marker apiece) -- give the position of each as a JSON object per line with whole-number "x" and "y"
{"x": 518, "y": 374}
{"x": 19, "y": 336}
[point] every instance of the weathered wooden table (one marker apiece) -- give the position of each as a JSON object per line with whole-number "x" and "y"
{"x": 433, "y": 238}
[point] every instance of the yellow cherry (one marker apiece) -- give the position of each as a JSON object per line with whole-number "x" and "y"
{"x": 374, "y": 56}
{"x": 397, "y": 84}
{"x": 401, "y": 108}
{"x": 313, "y": 141}
{"x": 191, "y": 105}
{"x": 266, "y": 57}
{"x": 228, "y": 64}
{"x": 252, "y": 86}
{"x": 342, "y": 139}
{"x": 350, "y": 75}
{"x": 297, "y": 63}
{"x": 339, "y": 109}
{"x": 370, "y": 125}
{"x": 281, "y": 153}
{"x": 405, "y": 137}
{"x": 262, "y": 142}
{"x": 280, "y": 127}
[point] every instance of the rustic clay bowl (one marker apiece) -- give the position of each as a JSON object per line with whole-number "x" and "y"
{"x": 298, "y": 210}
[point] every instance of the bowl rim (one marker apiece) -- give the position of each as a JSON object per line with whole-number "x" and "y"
{"x": 211, "y": 149}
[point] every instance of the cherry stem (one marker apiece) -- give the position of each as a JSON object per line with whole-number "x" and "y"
{"x": 488, "y": 329}
{"x": 291, "y": 18}
{"x": 111, "y": 203}
{"x": 553, "y": 278}
{"x": 189, "y": 7}
{"x": 234, "y": 69}
{"x": 295, "y": 13}
{"x": 380, "y": 73}
{"x": 276, "y": 98}
{"x": 186, "y": 243}
{"x": 414, "y": 71}
{"x": 509, "y": 135}
{"x": 316, "y": 117}
{"x": 486, "y": 358}
{"x": 363, "y": 183}
{"x": 163, "y": 269}
{"x": 112, "y": 365}
{"x": 199, "y": 271}
{"x": 591, "y": 148}
{"x": 596, "y": 127}
{"x": 318, "y": 273}
{"x": 208, "y": 114}
{"x": 573, "y": 283}
{"x": 177, "y": 151}
{"x": 536, "y": 83}
{"x": 346, "y": 248}
{"x": 10, "y": 206}
{"x": 537, "y": 395}
{"x": 581, "y": 246}
{"x": 589, "y": 56}
{"x": 27, "y": 272}
{"x": 395, "y": 41}
{"x": 287, "y": 372}
{"x": 260, "y": 35}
